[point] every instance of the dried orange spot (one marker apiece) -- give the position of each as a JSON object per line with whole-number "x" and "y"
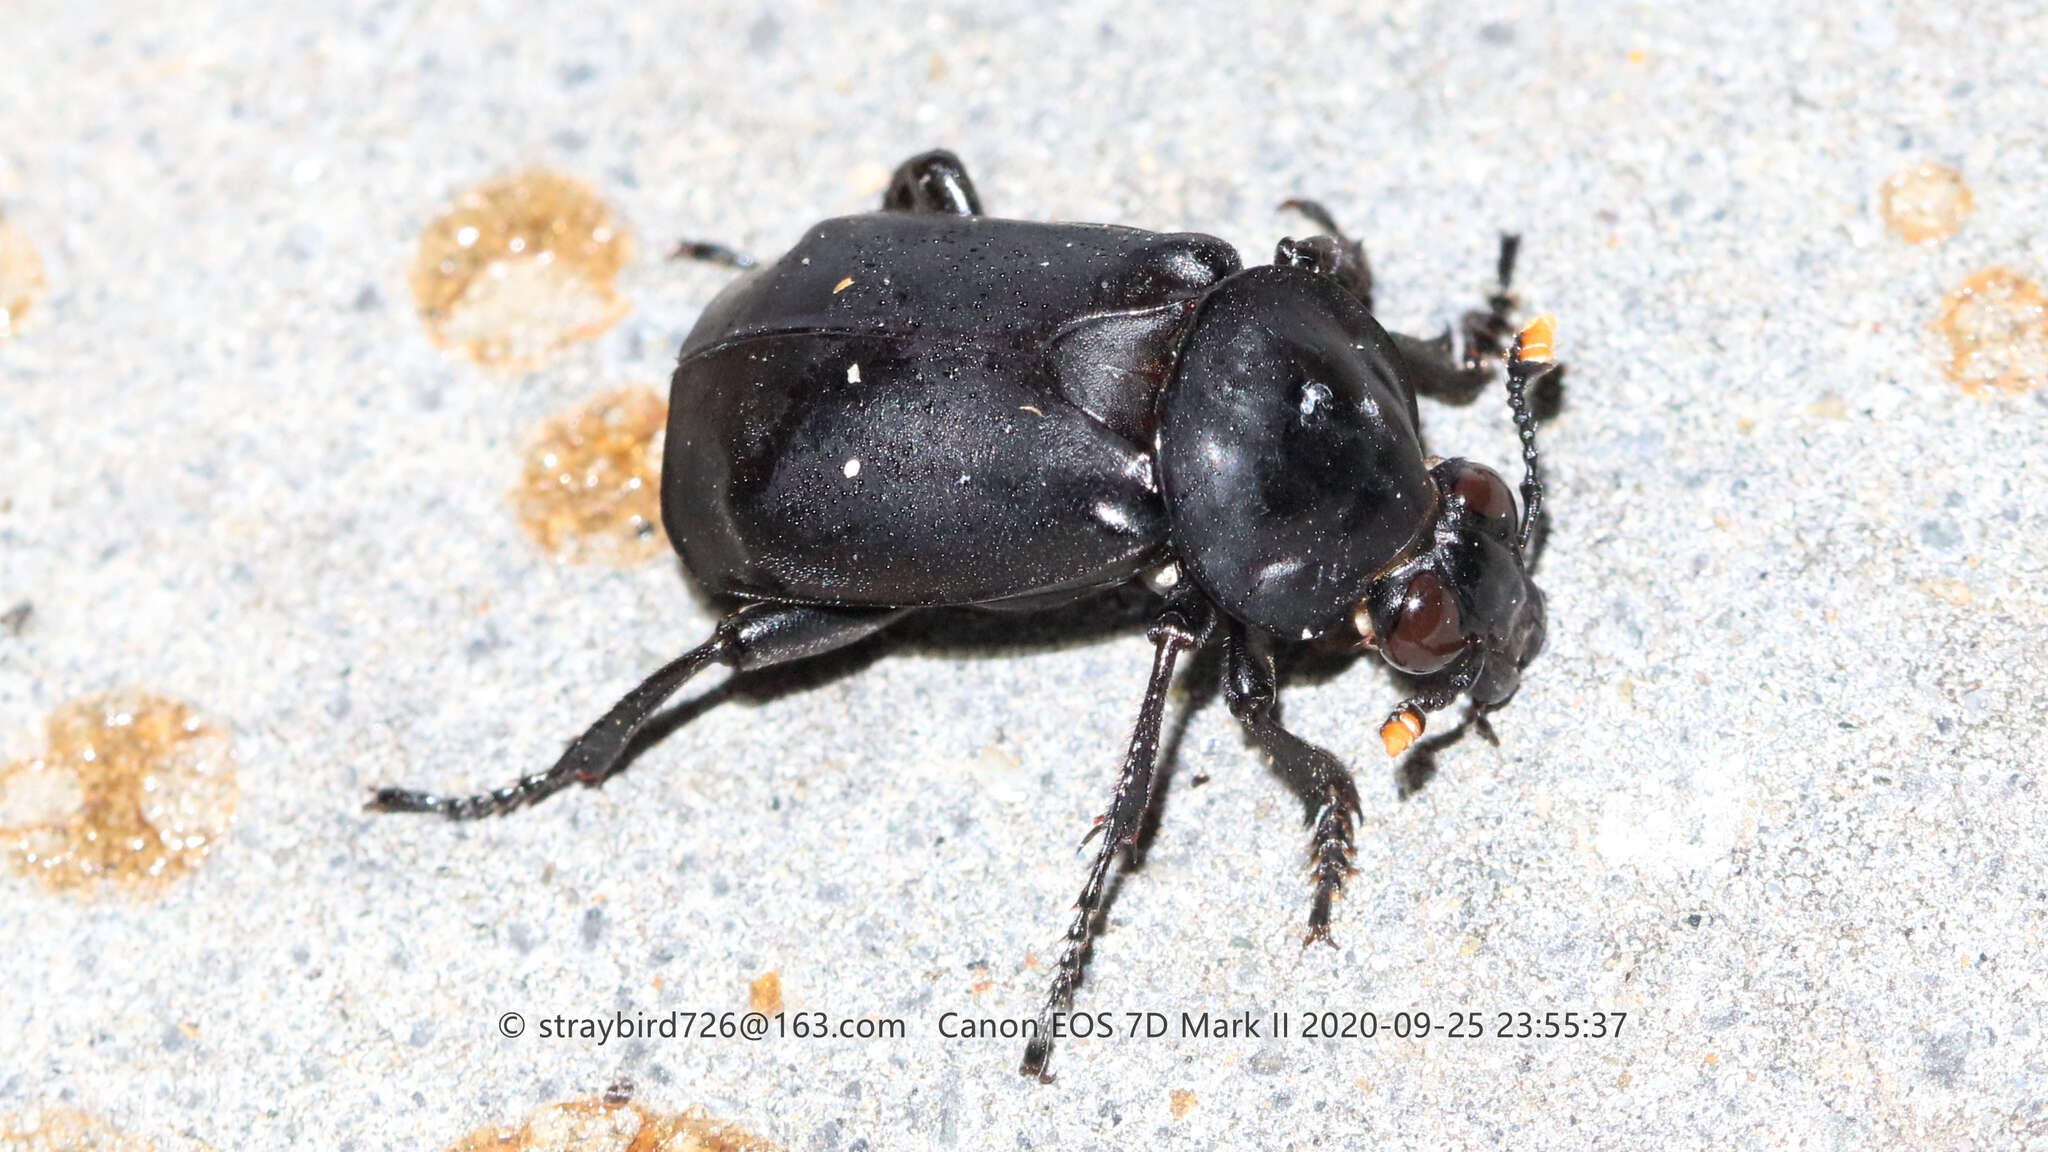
{"x": 520, "y": 268}
{"x": 591, "y": 488}
{"x": 21, "y": 278}
{"x": 1535, "y": 342}
{"x": 1182, "y": 1101}
{"x": 1997, "y": 327}
{"x": 1953, "y": 591}
{"x": 600, "y": 1125}
{"x": 1400, "y": 731}
{"x": 765, "y": 994}
{"x": 133, "y": 792}
{"x": 1925, "y": 203}
{"x": 68, "y": 1130}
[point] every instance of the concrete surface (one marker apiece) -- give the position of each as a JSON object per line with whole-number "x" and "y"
{"x": 1774, "y": 790}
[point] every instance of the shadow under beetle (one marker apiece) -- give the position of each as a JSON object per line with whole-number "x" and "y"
{"x": 924, "y": 407}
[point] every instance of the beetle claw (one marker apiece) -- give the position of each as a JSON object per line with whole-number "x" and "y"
{"x": 1319, "y": 933}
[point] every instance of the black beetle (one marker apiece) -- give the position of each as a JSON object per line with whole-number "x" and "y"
{"x": 925, "y": 407}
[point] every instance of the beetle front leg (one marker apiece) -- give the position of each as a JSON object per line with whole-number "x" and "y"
{"x": 932, "y": 181}
{"x": 1251, "y": 686}
{"x": 756, "y": 636}
{"x": 1458, "y": 374}
{"x": 1184, "y": 624}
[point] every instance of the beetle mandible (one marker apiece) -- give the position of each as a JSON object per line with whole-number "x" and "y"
{"x": 925, "y": 407}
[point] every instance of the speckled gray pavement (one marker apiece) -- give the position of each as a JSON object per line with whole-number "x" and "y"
{"x": 1774, "y": 790}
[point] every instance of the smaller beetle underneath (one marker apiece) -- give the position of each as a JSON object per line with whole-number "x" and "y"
{"x": 925, "y": 407}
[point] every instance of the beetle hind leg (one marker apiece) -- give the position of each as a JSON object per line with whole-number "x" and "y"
{"x": 932, "y": 181}
{"x": 1183, "y": 625}
{"x": 757, "y": 636}
{"x": 1251, "y": 687}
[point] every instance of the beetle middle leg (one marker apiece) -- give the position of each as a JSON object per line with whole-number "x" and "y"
{"x": 932, "y": 181}
{"x": 1343, "y": 257}
{"x": 1251, "y": 688}
{"x": 753, "y": 637}
{"x": 1184, "y": 624}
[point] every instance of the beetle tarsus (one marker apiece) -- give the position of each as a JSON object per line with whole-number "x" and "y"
{"x": 1183, "y": 625}
{"x": 756, "y": 636}
{"x": 590, "y": 759}
{"x": 1486, "y": 332}
{"x": 1251, "y": 686}
{"x": 1331, "y": 846}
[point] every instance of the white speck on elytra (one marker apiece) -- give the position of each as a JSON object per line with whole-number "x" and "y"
{"x": 851, "y": 469}
{"x": 853, "y": 373}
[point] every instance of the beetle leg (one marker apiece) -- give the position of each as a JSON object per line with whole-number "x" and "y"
{"x": 710, "y": 252}
{"x": 756, "y": 636}
{"x": 932, "y": 181}
{"x": 1251, "y": 686}
{"x": 1457, "y": 374}
{"x": 1347, "y": 262}
{"x": 1184, "y": 624}
{"x": 1487, "y": 332}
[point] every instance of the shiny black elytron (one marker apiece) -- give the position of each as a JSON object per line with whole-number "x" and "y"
{"x": 924, "y": 407}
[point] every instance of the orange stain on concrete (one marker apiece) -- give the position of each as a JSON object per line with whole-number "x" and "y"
{"x": 21, "y": 278}
{"x": 591, "y": 488}
{"x": 599, "y": 1124}
{"x": 56, "y": 1129}
{"x": 1925, "y": 204}
{"x": 520, "y": 268}
{"x": 1997, "y": 327}
{"x": 133, "y": 792}
{"x": 765, "y": 994}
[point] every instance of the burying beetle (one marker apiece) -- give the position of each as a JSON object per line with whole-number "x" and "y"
{"x": 925, "y": 407}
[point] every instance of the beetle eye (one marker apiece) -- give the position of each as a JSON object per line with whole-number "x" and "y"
{"x": 1428, "y": 632}
{"x": 1480, "y": 490}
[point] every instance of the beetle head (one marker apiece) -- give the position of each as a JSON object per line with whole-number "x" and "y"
{"x": 1464, "y": 604}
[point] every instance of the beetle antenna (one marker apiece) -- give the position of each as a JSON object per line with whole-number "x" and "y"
{"x": 1528, "y": 361}
{"x": 1405, "y": 724}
